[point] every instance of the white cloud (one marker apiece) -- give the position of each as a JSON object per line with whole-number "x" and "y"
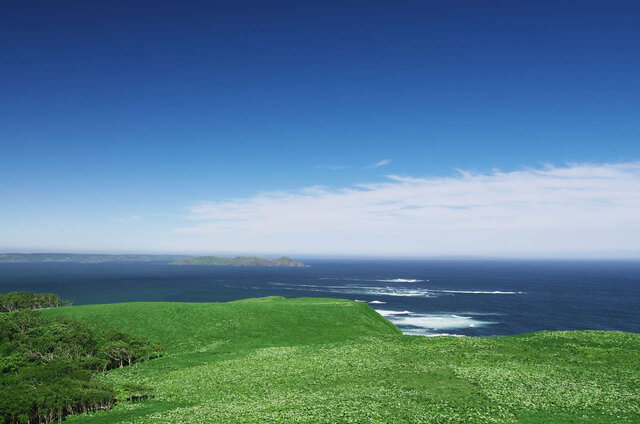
{"x": 579, "y": 209}
{"x": 380, "y": 163}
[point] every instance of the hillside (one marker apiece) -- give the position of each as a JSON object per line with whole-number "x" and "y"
{"x": 239, "y": 261}
{"x": 326, "y": 360}
{"x": 243, "y": 324}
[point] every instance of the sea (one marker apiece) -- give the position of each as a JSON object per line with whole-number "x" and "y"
{"x": 427, "y": 297}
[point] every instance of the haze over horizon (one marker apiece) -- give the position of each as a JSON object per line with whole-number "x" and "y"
{"x": 413, "y": 130}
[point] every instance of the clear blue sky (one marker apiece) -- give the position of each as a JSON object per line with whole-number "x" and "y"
{"x": 118, "y": 118}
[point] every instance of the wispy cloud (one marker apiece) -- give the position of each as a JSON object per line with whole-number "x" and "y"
{"x": 380, "y": 163}
{"x": 572, "y": 209}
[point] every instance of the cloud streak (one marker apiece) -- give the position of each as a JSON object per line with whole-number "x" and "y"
{"x": 579, "y": 209}
{"x": 380, "y": 163}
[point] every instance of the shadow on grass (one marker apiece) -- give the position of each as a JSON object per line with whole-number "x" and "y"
{"x": 143, "y": 408}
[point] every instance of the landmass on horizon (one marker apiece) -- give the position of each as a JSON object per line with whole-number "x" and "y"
{"x": 83, "y": 258}
{"x": 283, "y": 261}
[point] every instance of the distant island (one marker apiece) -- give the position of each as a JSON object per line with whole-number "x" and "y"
{"x": 172, "y": 259}
{"x": 239, "y": 261}
{"x": 82, "y": 258}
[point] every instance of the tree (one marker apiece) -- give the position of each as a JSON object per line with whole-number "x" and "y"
{"x": 47, "y": 365}
{"x": 16, "y": 301}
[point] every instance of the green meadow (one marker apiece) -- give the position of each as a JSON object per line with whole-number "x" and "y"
{"x": 275, "y": 360}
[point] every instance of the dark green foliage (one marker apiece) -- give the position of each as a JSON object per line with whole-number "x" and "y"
{"x": 16, "y": 301}
{"x": 135, "y": 392}
{"x": 47, "y": 365}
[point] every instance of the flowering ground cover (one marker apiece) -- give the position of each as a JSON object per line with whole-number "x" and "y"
{"x": 275, "y": 360}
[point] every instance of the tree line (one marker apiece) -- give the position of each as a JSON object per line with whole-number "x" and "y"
{"x": 17, "y": 301}
{"x": 48, "y": 366}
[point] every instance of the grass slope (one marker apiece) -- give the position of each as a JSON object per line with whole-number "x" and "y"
{"x": 326, "y": 360}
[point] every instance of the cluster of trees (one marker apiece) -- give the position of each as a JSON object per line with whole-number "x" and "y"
{"x": 47, "y": 366}
{"x": 17, "y": 301}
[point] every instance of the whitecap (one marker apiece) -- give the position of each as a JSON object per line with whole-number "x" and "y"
{"x": 386, "y": 313}
{"x": 444, "y": 335}
{"x": 392, "y": 291}
{"x": 360, "y": 290}
{"x": 382, "y": 280}
{"x": 427, "y": 324}
{"x": 400, "y": 280}
{"x": 421, "y": 332}
{"x": 478, "y": 292}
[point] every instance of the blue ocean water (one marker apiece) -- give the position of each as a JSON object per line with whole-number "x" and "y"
{"x": 435, "y": 297}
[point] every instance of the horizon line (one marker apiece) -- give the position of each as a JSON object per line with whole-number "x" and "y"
{"x": 307, "y": 256}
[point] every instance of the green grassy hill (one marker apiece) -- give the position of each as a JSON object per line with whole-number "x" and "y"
{"x": 240, "y": 325}
{"x": 331, "y": 361}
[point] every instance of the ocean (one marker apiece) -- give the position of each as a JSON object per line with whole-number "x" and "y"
{"x": 428, "y": 297}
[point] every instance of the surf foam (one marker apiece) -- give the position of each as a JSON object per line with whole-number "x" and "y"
{"x": 400, "y": 280}
{"x": 386, "y": 313}
{"x": 478, "y": 292}
{"x": 430, "y": 324}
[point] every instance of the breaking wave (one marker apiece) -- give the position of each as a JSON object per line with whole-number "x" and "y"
{"x": 381, "y": 280}
{"x": 479, "y": 292}
{"x": 400, "y": 280}
{"x": 391, "y": 291}
{"x": 431, "y": 324}
{"x": 392, "y": 313}
{"x": 387, "y": 290}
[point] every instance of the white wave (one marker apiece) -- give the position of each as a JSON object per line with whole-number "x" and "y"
{"x": 386, "y": 313}
{"x": 320, "y": 286}
{"x": 389, "y": 291}
{"x": 384, "y": 280}
{"x": 362, "y": 290}
{"x": 377, "y": 302}
{"x": 430, "y": 324}
{"x": 400, "y": 280}
{"x": 367, "y": 290}
{"x": 426, "y": 333}
{"x": 478, "y": 292}
{"x": 436, "y": 322}
{"x": 444, "y": 335}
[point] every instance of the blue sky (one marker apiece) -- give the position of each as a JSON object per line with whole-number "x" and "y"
{"x": 119, "y": 121}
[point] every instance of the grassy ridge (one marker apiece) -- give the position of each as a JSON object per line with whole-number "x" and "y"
{"x": 326, "y": 360}
{"x": 243, "y": 324}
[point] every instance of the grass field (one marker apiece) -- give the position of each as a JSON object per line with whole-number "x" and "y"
{"x": 335, "y": 361}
